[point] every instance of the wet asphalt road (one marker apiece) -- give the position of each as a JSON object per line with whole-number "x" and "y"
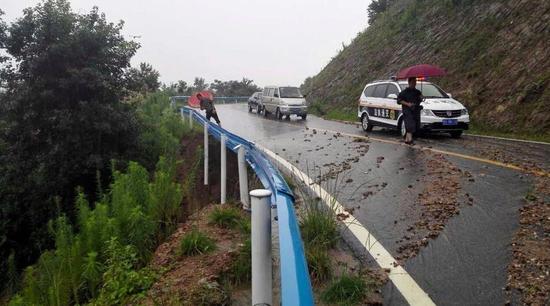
{"x": 467, "y": 263}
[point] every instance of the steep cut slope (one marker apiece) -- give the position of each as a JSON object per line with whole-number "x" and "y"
{"x": 497, "y": 54}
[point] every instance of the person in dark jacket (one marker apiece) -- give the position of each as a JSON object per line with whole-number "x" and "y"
{"x": 208, "y": 105}
{"x": 410, "y": 100}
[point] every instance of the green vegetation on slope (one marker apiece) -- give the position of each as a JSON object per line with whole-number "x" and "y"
{"x": 496, "y": 54}
{"x": 102, "y": 258}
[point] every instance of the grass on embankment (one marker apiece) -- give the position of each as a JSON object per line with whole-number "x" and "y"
{"x": 336, "y": 280}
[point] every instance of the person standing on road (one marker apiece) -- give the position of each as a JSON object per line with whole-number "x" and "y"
{"x": 208, "y": 105}
{"x": 410, "y": 100}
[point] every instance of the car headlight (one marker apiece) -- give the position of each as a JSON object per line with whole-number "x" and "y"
{"x": 426, "y": 112}
{"x": 464, "y": 112}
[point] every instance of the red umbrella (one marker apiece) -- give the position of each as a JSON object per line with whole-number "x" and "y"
{"x": 421, "y": 71}
{"x": 195, "y": 102}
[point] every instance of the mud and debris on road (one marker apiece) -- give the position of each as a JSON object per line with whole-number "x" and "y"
{"x": 437, "y": 202}
{"x": 428, "y": 201}
{"x": 529, "y": 271}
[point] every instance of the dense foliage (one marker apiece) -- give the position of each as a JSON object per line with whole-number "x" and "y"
{"x": 233, "y": 88}
{"x": 101, "y": 259}
{"x": 62, "y": 123}
{"x": 143, "y": 79}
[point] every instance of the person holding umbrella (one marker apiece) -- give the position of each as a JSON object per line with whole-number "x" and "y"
{"x": 208, "y": 105}
{"x": 410, "y": 100}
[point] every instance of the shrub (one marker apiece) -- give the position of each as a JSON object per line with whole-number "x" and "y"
{"x": 318, "y": 262}
{"x": 319, "y": 225}
{"x": 165, "y": 198}
{"x": 196, "y": 242}
{"x": 122, "y": 280}
{"x": 225, "y": 217}
{"x": 241, "y": 269}
{"x": 347, "y": 290}
{"x": 245, "y": 226}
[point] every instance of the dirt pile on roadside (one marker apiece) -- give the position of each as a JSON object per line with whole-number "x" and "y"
{"x": 192, "y": 280}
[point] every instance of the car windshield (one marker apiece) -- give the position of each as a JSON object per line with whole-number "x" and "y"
{"x": 428, "y": 90}
{"x": 290, "y": 92}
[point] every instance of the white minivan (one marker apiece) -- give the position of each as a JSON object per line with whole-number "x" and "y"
{"x": 283, "y": 101}
{"x": 378, "y": 107}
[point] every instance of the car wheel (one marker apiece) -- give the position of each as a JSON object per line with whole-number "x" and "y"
{"x": 278, "y": 114}
{"x": 249, "y": 108}
{"x": 456, "y": 134}
{"x": 365, "y": 123}
{"x": 304, "y": 117}
{"x": 402, "y": 129}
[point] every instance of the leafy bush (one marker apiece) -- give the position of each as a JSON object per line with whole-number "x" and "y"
{"x": 123, "y": 281}
{"x": 195, "y": 243}
{"x": 161, "y": 129}
{"x": 225, "y": 217}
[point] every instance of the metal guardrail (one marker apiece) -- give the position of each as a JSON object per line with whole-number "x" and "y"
{"x": 295, "y": 282}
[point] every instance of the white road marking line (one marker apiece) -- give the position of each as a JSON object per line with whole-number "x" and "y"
{"x": 408, "y": 287}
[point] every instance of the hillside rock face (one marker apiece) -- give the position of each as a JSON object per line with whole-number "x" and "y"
{"x": 497, "y": 54}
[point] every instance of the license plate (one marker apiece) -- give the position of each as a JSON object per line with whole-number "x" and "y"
{"x": 450, "y": 122}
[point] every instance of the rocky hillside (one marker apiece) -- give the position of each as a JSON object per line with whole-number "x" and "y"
{"x": 497, "y": 53}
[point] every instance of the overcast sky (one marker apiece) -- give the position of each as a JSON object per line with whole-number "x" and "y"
{"x": 269, "y": 41}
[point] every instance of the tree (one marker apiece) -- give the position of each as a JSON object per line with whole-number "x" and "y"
{"x": 62, "y": 119}
{"x": 377, "y": 7}
{"x": 145, "y": 79}
{"x": 245, "y": 87}
{"x": 199, "y": 84}
{"x": 181, "y": 87}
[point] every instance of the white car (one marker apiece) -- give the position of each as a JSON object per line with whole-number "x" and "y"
{"x": 283, "y": 101}
{"x": 378, "y": 107}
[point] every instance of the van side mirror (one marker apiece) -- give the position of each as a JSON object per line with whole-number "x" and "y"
{"x": 450, "y": 95}
{"x": 392, "y": 96}
{"x": 276, "y": 95}
{"x": 305, "y": 96}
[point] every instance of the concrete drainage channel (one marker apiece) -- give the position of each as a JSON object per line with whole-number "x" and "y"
{"x": 295, "y": 284}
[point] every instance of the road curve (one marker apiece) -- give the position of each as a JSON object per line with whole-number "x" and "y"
{"x": 391, "y": 188}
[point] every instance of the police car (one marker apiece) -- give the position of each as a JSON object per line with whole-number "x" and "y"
{"x": 378, "y": 107}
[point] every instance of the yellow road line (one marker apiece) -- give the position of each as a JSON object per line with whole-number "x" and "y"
{"x": 464, "y": 156}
